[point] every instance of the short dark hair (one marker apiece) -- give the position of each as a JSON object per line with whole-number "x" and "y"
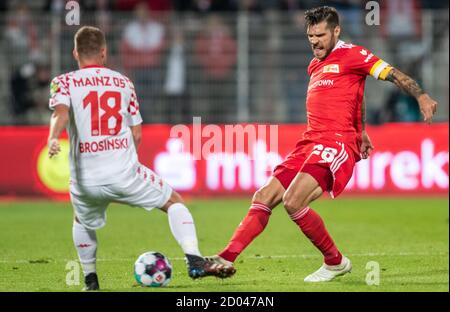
{"x": 320, "y": 14}
{"x": 89, "y": 41}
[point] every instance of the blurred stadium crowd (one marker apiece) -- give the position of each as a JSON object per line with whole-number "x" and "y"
{"x": 223, "y": 60}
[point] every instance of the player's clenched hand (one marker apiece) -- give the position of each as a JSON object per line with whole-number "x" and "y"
{"x": 366, "y": 145}
{"x": 53, "y": 147}
{"x": 428, "y": 107}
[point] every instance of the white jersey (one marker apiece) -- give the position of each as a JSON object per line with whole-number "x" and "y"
{"x": 103, "y": 106}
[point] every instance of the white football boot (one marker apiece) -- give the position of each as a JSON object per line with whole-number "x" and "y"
{"x": 327, "y": 273}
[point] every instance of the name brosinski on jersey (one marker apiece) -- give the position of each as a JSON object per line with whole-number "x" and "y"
{"x": 103, "y": 81}
{"x": 104, "y": 145}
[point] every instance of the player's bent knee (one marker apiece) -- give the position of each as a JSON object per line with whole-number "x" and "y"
{"x": 270, "y": 194}
{"x": 293, "y": 202}
{"x": 266, "y": 197}
{"x": 260, "y": 196}
{"x": 176, "y": 198}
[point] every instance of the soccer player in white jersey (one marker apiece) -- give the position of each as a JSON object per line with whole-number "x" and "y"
{"x": 101, "y": 112}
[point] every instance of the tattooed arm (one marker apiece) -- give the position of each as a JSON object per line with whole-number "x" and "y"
{"x": 427, "y": 105}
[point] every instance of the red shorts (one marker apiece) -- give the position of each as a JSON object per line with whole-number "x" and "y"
{"x": 331, "y": 163}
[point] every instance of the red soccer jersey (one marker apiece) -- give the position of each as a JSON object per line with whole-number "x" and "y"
{"x": 336, "y": 89}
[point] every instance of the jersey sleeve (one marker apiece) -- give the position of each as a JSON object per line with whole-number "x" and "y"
{"x": 134, "y": 116}
{"x": 59, "y": 92}
{"x": 366, "y": 63}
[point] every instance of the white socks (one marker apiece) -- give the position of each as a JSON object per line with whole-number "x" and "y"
{"x": 181, "y": 225}
{"x": 86, "y": 244}
{"x": 183, "y": 228}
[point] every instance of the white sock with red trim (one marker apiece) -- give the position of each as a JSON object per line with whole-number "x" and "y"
{"x": 85, "y": 242}
{"x": 183, "y": 228}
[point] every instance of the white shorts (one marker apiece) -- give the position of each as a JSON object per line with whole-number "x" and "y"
{"x": 145, "y": 189}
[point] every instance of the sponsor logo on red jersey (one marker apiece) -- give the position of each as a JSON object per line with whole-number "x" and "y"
{"x": 331, "y": 68}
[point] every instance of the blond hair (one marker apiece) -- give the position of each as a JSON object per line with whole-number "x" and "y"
{"x": 89, "y": 41}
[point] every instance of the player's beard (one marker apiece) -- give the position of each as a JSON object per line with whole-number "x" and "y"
{"x": 321, "y": 52}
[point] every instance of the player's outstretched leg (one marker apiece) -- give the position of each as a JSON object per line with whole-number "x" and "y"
{"x": 85, "y": 241}
{"x": 183, "y": 229}
{"x": 264, "y": 200}
{"x": 303, "y": 190}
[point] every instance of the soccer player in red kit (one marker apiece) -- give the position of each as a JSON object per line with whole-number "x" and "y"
{"x": 335, "y": 139}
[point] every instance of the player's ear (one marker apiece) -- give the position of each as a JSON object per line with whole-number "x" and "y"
{"x": 104, "y": 53}
{"x": 75, "y": 55}
{"x": 337, "y": 31}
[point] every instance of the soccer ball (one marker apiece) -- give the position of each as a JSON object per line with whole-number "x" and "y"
{"x": 152, "y": 269}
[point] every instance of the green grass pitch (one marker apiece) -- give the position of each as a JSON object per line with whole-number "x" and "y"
{"x": 407, "y": 237}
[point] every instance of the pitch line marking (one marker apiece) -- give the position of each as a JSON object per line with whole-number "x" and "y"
{"x": 370, "y": 254}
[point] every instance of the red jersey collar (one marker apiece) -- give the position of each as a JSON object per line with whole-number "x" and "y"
{"x": 92, "y": 66}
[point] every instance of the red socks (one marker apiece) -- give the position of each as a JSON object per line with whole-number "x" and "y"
{"x": 313, "y": 227}
{"x": 253, "y": 224}
{"x": 256, "y": 220}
